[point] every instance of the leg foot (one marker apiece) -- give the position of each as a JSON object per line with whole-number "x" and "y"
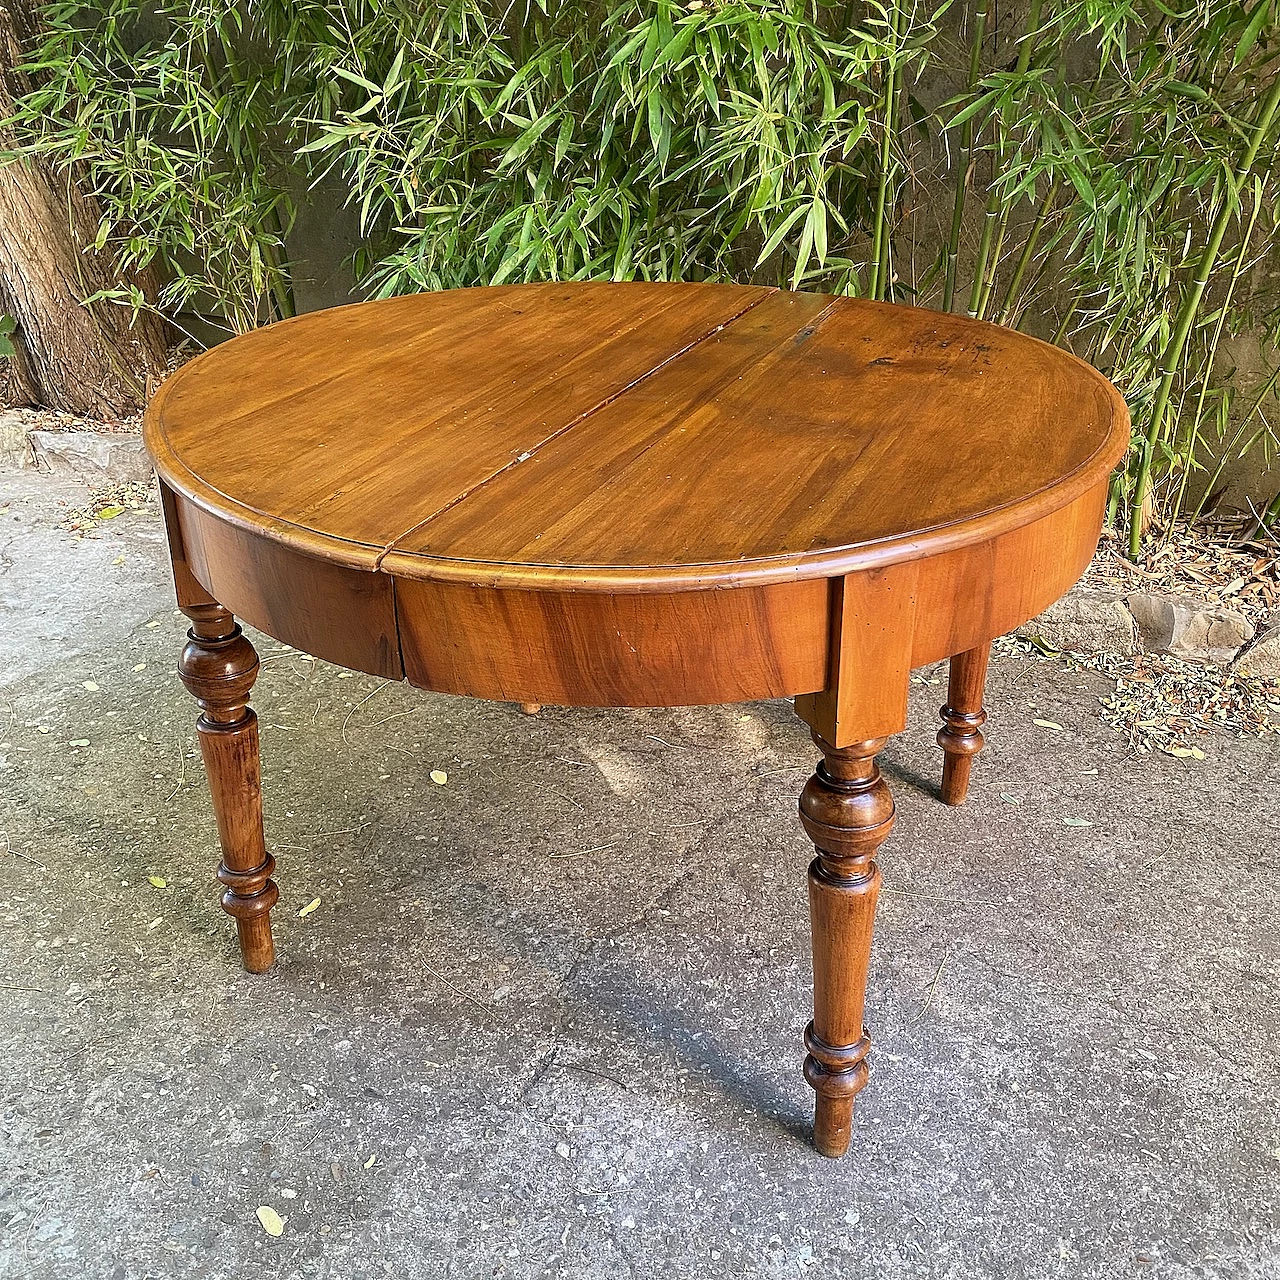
{"x": 847, "y": 811}
{"x": 218, "y": 667}
{"x": 963, "y": 717}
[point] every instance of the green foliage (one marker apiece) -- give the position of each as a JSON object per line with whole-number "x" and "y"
{"x": 8, "y": 327}
{"x": 180, "y": 118}
{"x": 612, "y": 141}
{"x": 1105, "y": 176}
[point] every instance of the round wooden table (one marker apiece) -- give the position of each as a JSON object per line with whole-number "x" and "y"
{"x": 635, "y": 495}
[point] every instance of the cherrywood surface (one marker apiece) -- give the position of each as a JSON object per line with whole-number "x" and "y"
{"x": 494, "y": 436}
{"x": 847, "y": 811}
{"x": 601, "y": 649}
{"x": 290, "y": 593}
{"x": 635, "y": 495}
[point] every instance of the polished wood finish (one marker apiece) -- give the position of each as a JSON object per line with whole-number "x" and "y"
{"x": 218, "y": 667}
{"x": 569, "y": 648}
{"x": 744, "y": 434}
{"x": 963, "y": 717}
{"x": 847, "y": 810}
{"x": 972, "y": 594}
{"x": 843, "y": 419}
{"x": 289, "y": 594}
{"x": 382, "y": 414}
{"x": 872, "y": 619}
{"x": 638, "y": 495}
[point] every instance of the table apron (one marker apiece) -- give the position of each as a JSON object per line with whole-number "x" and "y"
{"x": 330, "y": 610}
{"x": 588, "y": 648}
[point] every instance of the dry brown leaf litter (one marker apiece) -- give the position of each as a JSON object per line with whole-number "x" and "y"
{"x": 1216, "y": 562}
{"x": 55, "y": 421}
{"x": 1162, "y": 703}
{"x": 104, "y": 503}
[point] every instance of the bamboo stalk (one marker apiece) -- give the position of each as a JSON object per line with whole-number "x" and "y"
{"x": 1113, "y": 502}
{"x": 1265, "y": 390}
{"x": 993, "y": 261}
{"x": 992, "y": 213}
{"x": 1028, "y": 295}
{"x": 1211, "y": 356}
{"x": 1268, "y": 516}
{"x": 1067, "y": 316}
{"x": 1028, "y": 251}
{"x": 878, "y": 250}
{"x": 963, "y": 163}
{"x": 1172, "y": 354}
{"x": 282, "y": 274}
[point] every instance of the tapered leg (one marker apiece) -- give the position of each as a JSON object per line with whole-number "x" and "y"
{"x": 847, "y": 810}
{"x": 963, "y": 717}
{"x": 218, "y": 667}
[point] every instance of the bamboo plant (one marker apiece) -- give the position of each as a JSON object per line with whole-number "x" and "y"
{"x": 1100, "y": 172}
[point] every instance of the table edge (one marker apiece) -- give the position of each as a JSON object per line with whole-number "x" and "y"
{"x": 826, "y": 563}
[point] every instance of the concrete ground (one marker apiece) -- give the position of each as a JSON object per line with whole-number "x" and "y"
{"x": 545, "y": 1020}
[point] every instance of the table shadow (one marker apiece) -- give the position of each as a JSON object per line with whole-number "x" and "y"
{"x": 905, "y": 776}
{"x": 693, "y": 1047}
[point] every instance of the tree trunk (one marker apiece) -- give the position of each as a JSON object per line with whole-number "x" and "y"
{"x": 95, "y": 360}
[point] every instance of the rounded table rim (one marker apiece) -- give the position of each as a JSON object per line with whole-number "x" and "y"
{"x": 828, "y": 562}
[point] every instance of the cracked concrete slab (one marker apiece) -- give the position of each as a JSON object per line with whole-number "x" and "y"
{"x": 546, "y": 1018}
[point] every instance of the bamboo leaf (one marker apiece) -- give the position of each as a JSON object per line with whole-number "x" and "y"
{"x": 806, "y": 247}
{"x": 1253, "y": 27}
{"x": 779, "y": 233}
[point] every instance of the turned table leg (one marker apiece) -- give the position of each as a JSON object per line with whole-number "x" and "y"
{"x": 847, "y": 810}
{"x": 218, "y": 667}
{"x": 961, "y": 734}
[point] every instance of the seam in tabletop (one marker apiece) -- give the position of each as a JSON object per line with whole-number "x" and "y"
{"x": 577, "y": 420}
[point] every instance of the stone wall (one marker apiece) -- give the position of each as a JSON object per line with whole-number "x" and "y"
{"x": 1086, "y": 621}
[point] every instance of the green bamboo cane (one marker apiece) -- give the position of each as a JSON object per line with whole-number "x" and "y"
{"x": 1002, "y": 226}
{"x": 878, "y": 282}
{"x": 993, "y": 261}
{"x": 1211, "y": 356}
{"x": 963, "y": 161}
{"x": 992, "y": 213}
{"x": 1269, "y": 515}
{"x": 1172, "y": 355}
{"x": 1265, "y": 429}
{"x": 1026, "y": 296}
{"x": 1067, "y": 316}
{"x": 281, "y": 270}
{"x": 1028, "y": 251}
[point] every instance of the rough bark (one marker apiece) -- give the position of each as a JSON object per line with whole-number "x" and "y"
{"x": 92, "y": 360}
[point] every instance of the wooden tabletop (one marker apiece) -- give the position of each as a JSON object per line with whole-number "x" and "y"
{"x": 633, "y": 437}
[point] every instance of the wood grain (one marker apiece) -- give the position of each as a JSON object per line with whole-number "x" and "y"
{"x": 875, "y": 425}
{"x": 871, "y": 621}
{"x": 847, "y": 810}
{"x": 384, "y": 413}
{"x": 336, "y": 612}
{"x": 493, "y": 436}
{"x": 219, "y": 667}
{"x": 591, "y": 649}
{"x": 962, "y": 719}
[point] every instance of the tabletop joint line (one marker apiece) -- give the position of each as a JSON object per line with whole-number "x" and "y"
{"x": 576, "y": 421}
